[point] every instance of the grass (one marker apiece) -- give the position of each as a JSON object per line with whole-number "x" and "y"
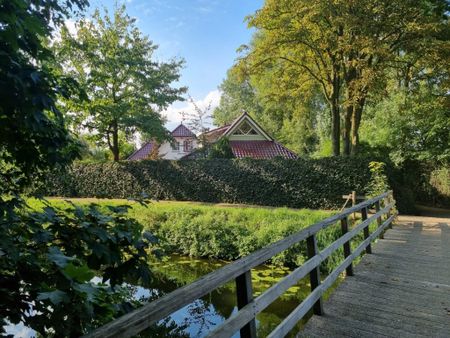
{"x": 218, "y": 230}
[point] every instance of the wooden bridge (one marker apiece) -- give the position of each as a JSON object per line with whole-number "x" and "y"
{"x": 402, "y": 289}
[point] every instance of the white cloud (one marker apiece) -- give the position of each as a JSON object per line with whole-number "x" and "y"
{"x": 173, "y": 113}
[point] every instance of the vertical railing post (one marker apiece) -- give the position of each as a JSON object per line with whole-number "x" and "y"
{"x": 314, "y": 275}
{"x": 366, "y": 229}
{"x": 379, "y": 220}
{"x": 244, "y": 292}
{"x": 354, "y": 203}
{"x": 389, "y": 200}
{"x": 347, "y": 248}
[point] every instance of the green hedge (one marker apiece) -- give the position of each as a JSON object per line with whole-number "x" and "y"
{"x": 303, "y": 183}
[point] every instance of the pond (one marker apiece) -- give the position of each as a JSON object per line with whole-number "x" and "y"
{"x": 200, "y": 317}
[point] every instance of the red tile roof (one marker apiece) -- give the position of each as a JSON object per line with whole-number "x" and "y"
{"x": 143, "y": 152}
{"x": 260, "y": 150}
{"x": 182, "y": 131}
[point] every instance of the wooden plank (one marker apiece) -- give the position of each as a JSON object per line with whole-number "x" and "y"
{"x": 366, "y": 229}
{"x": 140, "y": 319}
{"x": 347, "y": 248}
{"x": 244, "y": 293}
{"x": 314, "y": 274}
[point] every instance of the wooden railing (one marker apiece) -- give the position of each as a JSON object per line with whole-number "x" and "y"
{"x": 240, "y": 270}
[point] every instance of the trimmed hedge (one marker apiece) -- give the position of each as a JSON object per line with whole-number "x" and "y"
{"x": 302, "y": 183}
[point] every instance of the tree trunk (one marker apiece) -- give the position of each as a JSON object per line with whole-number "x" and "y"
{"x": 346, "y": 133}
{"x": 335, "y": 130}
{"x": 356, "y": 122}
{"x": 335, "y": 114}
{"x": 115, "y": 139}
{"x": 350, "y": 76}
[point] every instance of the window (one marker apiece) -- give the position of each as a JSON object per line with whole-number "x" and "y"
{"x": 187, "y": 146}
{"x": 176, "y": 145}
{"x": 245, "y": 129}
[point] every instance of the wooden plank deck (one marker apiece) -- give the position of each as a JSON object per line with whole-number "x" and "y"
{"x": 401, "y": 290}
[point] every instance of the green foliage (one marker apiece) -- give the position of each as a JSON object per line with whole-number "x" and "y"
{"x": 221, "y": 149}
{"x": 49, "y": 258}
{"x": 379, "y": 181}
{"x": 294, "y": 183}
{"x": 238, "y": 95}
{"x": 125, "y": 86}
{"x": 32, "y": 133}
{"x": 411, "y": 125}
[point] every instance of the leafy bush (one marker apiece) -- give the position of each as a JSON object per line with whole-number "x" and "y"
{"x": 302, "y": 183}
{"x": 48, "y": 259}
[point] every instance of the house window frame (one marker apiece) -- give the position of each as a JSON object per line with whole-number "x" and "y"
{"x": 188, "y": 146}
{"x": 175, "y": 146}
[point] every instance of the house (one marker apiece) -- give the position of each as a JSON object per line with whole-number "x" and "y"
{"x": 184, "y": 142}
{"x": 246, "y": 138}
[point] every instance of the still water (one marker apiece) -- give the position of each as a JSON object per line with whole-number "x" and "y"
{"x": 200, "y": 317}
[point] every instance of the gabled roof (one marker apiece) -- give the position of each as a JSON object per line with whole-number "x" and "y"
{"x": 264, "y": 148}
{"x": 143, "y": 152}
{"x": 182, "y": 131}
{"x": 260, "y": 150}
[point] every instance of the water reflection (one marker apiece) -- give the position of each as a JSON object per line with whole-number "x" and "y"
{"x": 204, "y": 314}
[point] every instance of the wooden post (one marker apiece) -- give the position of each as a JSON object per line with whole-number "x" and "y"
{"x": 347, "y": 248}
{"x": 314, "y": 275}
{"x": 366, "y": 229}
{"x": 244, "y": 292}
{"x": 353, "y": 204}
{"x": 379, "y": 220}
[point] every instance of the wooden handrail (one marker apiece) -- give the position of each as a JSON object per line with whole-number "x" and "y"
{"x": 143, "y": 317}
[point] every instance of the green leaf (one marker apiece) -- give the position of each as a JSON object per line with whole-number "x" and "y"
{"x": 55, "y": 297}
{"x": 87, "y": 288}
{"x": 57, "y": 257}
{"x": 79, "y": 273}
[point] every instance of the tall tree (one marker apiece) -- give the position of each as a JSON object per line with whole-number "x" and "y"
{"x": 380, "y": 36}
{"x": 126, "y": 87}
{"x": 306, "y": 38}
{"x": 32, "y": 133}
{"x": 345, "y": 47}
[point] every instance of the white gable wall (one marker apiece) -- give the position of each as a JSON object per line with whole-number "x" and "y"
{"x": 166, "y": 151}
{"x": 260, "y": 134}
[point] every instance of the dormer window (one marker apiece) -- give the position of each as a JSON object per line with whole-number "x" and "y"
{"x": 245, "y": 129}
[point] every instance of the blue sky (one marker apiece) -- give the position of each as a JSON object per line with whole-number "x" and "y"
{"x": 206, "y": 33}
